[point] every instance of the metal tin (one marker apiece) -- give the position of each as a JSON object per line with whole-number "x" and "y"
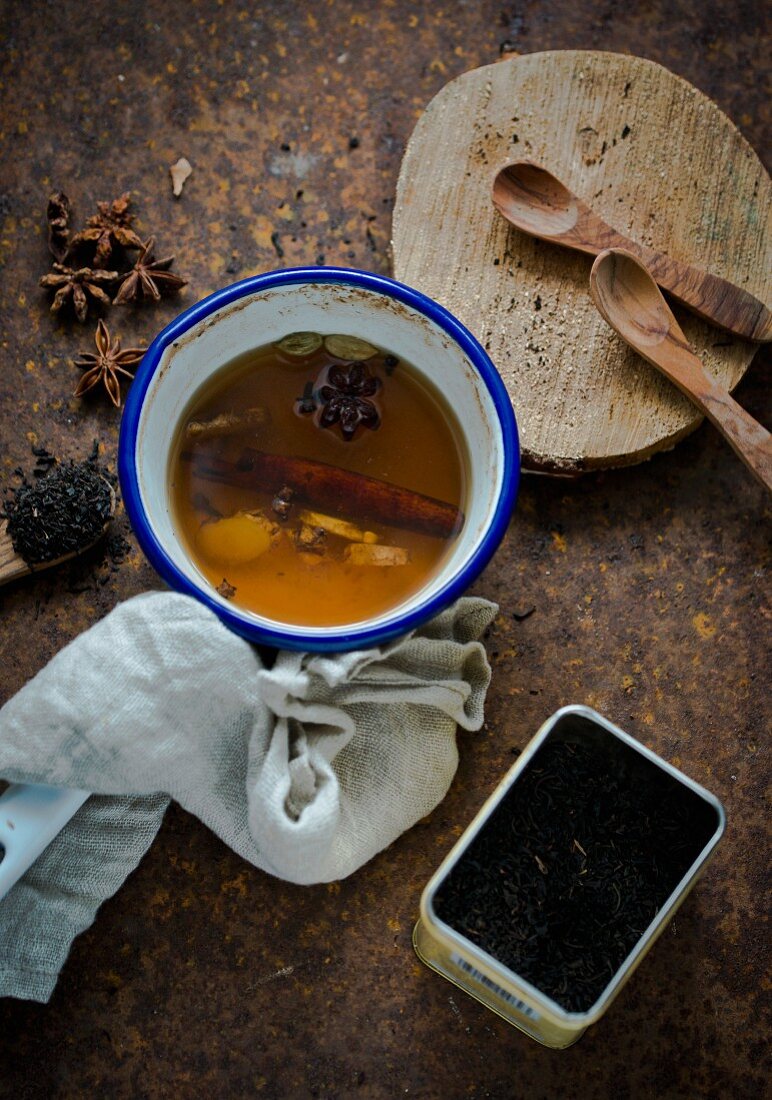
{"x": 485, "y": 978}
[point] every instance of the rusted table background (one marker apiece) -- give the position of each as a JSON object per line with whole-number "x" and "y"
{"x": 640, "y": 592}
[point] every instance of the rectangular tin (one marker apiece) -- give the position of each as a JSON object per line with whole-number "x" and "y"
{"x": 485, "y": 978}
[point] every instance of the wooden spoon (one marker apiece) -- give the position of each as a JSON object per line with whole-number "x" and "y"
{"x": 630, "y": 300}
{"x": 532, "y": 199}
{"x": 13, "y": 566}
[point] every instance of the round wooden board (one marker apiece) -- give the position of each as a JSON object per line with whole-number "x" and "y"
{"x": 655, "y": 158}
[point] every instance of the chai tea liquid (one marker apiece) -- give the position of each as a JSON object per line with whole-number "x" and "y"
{"x": 318, "y": 481}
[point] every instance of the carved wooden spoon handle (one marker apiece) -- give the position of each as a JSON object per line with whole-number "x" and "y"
{"x": 750, "y": 440}
{"x": 709, "y": 296}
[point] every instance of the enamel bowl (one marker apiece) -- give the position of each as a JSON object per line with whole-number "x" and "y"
{"x": 265, "y": 308}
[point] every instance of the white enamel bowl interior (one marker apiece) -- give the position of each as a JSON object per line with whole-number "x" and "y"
{"x": 269, "y": 315}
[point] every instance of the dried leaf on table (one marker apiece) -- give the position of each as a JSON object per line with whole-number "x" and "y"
{"x": 179, "y": 173}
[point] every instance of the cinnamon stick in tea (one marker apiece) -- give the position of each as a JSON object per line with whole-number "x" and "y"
{"x": 334, "y": 488}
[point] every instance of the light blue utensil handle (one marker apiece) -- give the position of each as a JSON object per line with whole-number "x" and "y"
{"x": 30, "y": 817}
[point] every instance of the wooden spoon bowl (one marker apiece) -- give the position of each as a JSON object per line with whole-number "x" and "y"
{"x": 629, "y": 299}
{"x": 534, "y": 200}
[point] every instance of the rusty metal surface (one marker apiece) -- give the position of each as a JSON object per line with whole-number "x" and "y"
{"x": 640, "y": 592}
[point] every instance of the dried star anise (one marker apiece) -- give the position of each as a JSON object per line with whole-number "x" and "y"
{"x": 107, "y": 364}
{"x": 109, "y": 228}
{"x": 77, "y": 286}
{"x": 345, "y": 399}
{"x": 58, "y": 218}
{"x": 149, "y": 278}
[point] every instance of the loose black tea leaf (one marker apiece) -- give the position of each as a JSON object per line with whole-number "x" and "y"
{"x": 573, "y": 865}
{"x": 44, "y": 460}
{"x": 62, "y": 513}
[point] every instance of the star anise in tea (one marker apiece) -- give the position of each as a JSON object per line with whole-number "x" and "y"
{"x": 109, "y": 229}
{"x": 105, "y": 366}
{"x": 77, "y": 286}
{"x": 58, "y": 214}
{"x": 149, "y": 278}
{"x": 346, "y": 399}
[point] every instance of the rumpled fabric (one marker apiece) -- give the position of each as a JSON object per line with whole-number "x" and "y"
{"x": 306, "y": 769}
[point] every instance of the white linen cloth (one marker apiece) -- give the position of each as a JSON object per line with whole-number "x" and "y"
{"x": 307, "y": 769}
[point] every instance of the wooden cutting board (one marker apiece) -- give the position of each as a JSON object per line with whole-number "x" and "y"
{"x": 655, "y": 158}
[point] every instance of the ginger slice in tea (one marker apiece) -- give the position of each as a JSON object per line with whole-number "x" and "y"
{"x": 370, "y": 553}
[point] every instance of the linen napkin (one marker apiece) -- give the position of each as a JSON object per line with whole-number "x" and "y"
{"x": 307, "y": 768}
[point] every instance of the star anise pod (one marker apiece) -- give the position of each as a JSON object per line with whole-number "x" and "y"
{"x": 107, "y": 364}
{"x": 110, "y": 228}
{"x": 149, "y": 278}
{"x": 77, "y": 285}
{"x": 58, "y": 218}
{"x": 345, "y": 398}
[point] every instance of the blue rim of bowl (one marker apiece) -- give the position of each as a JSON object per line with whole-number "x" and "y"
{"x": 291, "y": 636}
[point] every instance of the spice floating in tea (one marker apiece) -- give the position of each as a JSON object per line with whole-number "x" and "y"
{"x": 63, "y": 513}
{"x": 355, "y": 473}
{"x": 307, "y": 402}
{"x": 333, "y": 486}
{"x": 225, "y": 423}
{"x": 573, "y": 865}
{"x": 226, "y": 590}
{"x": 347, "y": 399}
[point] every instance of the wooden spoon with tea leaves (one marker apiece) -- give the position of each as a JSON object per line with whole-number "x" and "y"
{"x": 533, "y": 200}
{"x": 31, "y": 814}
{"x": 13, "y": 565}
{"x": 630, "y": 300}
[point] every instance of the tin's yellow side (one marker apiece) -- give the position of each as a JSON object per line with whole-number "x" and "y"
{"x": 500, "y": 997}
{"x": 491, "y": 983}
